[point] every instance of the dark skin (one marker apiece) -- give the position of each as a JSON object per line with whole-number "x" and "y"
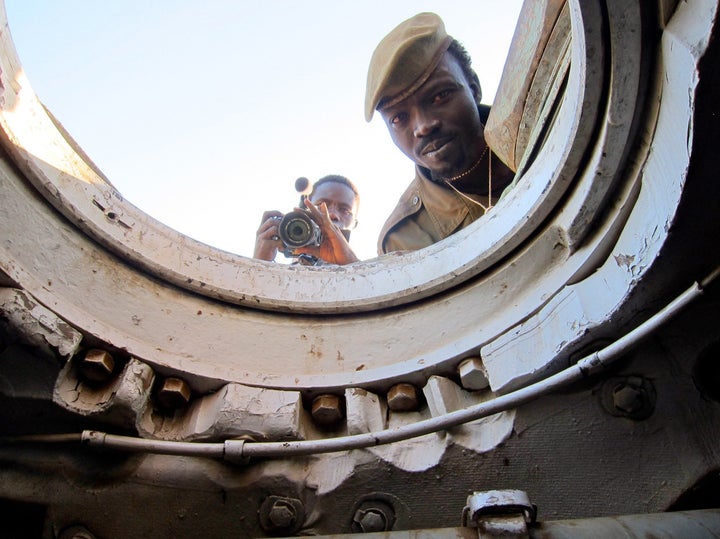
{"x": 438, "y": 127}
{"x": 333, "y": 206}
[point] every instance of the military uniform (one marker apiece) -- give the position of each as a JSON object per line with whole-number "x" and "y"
{"x": 427, "y": 212}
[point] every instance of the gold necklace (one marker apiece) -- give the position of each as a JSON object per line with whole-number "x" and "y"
{"x": 468, "y": 171}
{"x": 483, "y": 206}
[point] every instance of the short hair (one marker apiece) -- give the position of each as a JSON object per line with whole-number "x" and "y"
{"x": 336, "y": 178}
{"x": 460, "y": 53}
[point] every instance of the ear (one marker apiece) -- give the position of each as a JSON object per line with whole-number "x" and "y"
{"x": 476, "y": 89}
{"x": 353, "y": 225}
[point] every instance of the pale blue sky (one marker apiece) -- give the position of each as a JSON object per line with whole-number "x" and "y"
{"x": 203, "y": 114}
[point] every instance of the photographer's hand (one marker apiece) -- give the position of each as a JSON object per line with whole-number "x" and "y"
{"x": 267, "y": 242}
{"x": 334, "y": 248}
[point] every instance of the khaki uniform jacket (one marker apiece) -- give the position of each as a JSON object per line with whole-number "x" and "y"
{"x": 425, "y": 214}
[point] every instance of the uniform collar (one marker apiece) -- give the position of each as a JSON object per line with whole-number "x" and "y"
{"x": 447, "y": 210}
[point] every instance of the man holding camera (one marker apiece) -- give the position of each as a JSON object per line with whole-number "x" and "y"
{"x": 421, "y": 82}
{"x": 333, "y": 205}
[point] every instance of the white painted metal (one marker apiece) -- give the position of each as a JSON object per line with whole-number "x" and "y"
{"x": 304, "y": 343}
{"x": 528, "y": 350}
{"x": 53, "y": 164}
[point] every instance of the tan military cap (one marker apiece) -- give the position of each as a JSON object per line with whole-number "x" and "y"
{"x": 404, "y": 60}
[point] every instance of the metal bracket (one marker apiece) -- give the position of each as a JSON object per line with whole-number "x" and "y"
{"x": 499, "y": 512}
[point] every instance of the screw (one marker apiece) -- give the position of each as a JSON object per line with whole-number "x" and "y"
{"x": 97, "y": 366}
{"x": 403, "y": 398}
{"x": 327, "y": 410}
{"x": 173, "y": 394}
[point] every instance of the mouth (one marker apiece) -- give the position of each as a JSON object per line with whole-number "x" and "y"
{"x": 433, "y": 148}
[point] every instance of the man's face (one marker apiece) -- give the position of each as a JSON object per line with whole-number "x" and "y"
{"x": 438, "y": 126}
{"x": 340, "y": 201}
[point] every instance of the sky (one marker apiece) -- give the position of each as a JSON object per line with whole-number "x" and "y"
{"x": 203, "y": 114}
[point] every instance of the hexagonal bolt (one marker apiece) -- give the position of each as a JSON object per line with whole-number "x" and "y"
{"x": 282, "y": 515}
{"x": 371, "y": 520}
{"x": 632, "y": 396}
{"x": 629, "y": 399}
{"x": 403, "y": 398}
{"x": 97, "y": 366}
{"x": 472, "y": 374}
{"x": 173, "y": 394}
{"x": 327, "y": 410}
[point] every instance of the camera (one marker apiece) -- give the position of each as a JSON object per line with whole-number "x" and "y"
{"x": 297, "y": 229}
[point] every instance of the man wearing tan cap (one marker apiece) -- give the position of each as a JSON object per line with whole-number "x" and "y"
{"x": 421, "y": 82}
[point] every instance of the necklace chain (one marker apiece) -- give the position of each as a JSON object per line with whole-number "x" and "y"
{"x": 468, "y": 171}
{"x": 449, "y": 181}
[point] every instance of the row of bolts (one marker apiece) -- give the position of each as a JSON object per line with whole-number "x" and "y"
{"x": 98, "y": 367}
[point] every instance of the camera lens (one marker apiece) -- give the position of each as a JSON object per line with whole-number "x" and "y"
{"x": 297, "y": 229}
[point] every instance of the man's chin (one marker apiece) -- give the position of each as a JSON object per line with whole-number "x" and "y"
{"x": 442, "y": 173}
{"x": 443, "y": 168}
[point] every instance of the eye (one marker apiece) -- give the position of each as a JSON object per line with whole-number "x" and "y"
{"x": 398, "y": 120}
{"x": 442, "y": 95}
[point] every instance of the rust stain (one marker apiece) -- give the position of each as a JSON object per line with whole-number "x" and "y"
{"x": 624, "y": 260}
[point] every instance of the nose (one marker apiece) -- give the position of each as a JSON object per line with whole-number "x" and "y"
{"x": 424, "y": 123}
{"x": 333, "y": 211}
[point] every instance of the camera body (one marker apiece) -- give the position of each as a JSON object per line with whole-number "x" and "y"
{"x": 298, "y": 229}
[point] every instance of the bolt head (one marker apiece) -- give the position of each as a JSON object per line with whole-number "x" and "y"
{"x": 472, "y": 374}
{"x": 97, "y": 366}
{"x": 327, "y": 410}
{"x": 628, "y": 399}
{"x": 632, "y": 397}
{"x": 174, "y": 393}
{"x": 282, "y": 515}
{"x": 371, "y": 520}
{"x": 403, "y": 398}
